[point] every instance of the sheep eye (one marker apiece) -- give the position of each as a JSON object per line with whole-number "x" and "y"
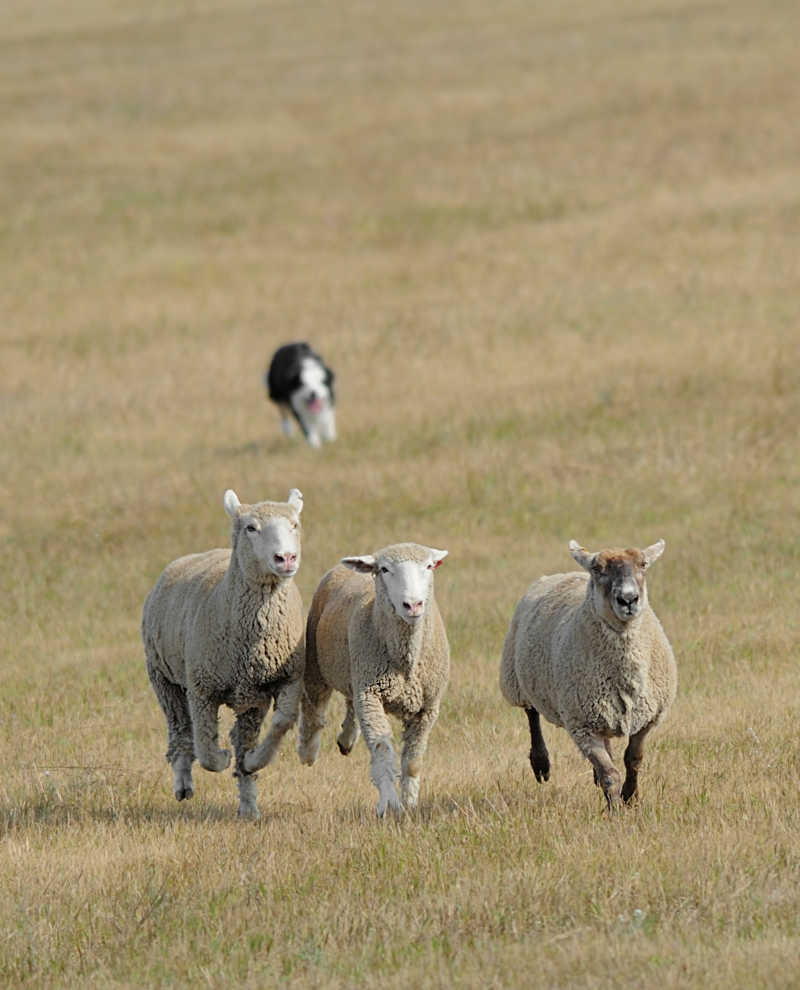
{"x": 384, "y": 570}
{"x": 251, "y": 528}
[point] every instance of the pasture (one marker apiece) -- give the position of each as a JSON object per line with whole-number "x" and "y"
{"x": 551, "y": 252}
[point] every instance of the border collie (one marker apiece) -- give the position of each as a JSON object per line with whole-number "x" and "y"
{"x": 301, "y": 384}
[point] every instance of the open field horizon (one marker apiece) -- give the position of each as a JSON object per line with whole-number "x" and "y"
{"x": 551, "y": 254}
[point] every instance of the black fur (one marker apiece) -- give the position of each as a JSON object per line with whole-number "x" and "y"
{"x": 283, "y": 376}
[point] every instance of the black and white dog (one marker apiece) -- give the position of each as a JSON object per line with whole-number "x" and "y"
{"x": 300, "y": 383}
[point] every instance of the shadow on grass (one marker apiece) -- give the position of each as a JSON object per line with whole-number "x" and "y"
{"x": 68, "y": 814}
{"x": 97, "y": 797}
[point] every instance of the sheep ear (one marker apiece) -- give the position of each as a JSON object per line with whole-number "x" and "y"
{"x": 437, "y": 556}
{"x": 364, "y": 565}
{"x": 296, "y": 500}
{"x": 583, "y": 557}
{"x": 652, "y": 553}
{"x": 231, "y": 502}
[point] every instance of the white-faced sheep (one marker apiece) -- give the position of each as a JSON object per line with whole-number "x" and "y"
{"x": 588, "y": 653}
{"x": 377, "y": 637}
{"x": 225, "y": 627}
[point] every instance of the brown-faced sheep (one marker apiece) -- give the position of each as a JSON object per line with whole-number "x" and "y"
{"x": 588, "y": 653}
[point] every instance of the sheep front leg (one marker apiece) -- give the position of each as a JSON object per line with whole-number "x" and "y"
{"x": 415, "y": 742}
{"x": 205, "y": 732}
{"x": 633, "y": 761}
{"x": 287, "y": 702}
{"x": 182, "y": 784}
{"x": 540, "y": 760}
{"x": 383, "y": 761}
{"x": 596, "y": 749}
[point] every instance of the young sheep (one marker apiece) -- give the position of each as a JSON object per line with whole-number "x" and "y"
{"x": 588, "y": 653}
{"x": 377, "y": 637}
{"x": 225, "y": 627}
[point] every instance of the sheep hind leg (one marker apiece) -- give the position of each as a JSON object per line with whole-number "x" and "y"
{"x": 205, "y": 732}
{"x": 244, "y": 736}
{"x": 415, "y": 744}
{"x": 180, "y": 748}
{"x": 348, "y": 737}
{"x": 633, "y": 761}
{"x": 539, "y": 757}
{"x": 607, "y": 744}
{"x": 287, "y": 702}
{"x": 313, "y": 705}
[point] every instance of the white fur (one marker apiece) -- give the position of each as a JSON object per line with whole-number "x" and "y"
{"x": 407, "y": 582}
{"x": 275, "y": 543}
{"x": 320, "y": 424}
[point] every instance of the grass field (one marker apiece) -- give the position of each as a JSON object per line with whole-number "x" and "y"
{"x": 551, "y": 251}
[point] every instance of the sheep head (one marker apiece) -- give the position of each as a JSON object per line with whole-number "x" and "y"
{"x": 403, "y": 576}
{"x": 266, "y": 537}
{"x": 617, "y": 580}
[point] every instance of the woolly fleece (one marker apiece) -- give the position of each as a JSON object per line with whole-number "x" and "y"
{"x": 217, "y": 630}
{"x": 357, "y": 645}
{"x": 561, "y": 659}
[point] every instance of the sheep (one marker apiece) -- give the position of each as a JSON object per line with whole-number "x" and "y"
{"x": 377, "y": 637}
{"x": 588, "y": 653}
{"x": 226, "y": 627}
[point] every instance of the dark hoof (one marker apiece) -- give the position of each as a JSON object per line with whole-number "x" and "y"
{"x": 630, "y": 794}
{"x": 184, "y": 794}
{"x": 541, "y": 768}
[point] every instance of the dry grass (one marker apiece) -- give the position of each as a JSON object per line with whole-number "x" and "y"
{"x": 551, "y": 252}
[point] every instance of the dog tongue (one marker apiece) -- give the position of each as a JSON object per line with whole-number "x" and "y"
{"x": 315, "y": 405}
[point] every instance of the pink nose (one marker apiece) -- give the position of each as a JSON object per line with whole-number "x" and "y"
{"x": 286, "y": 561}
{"x": 413, "y": 608}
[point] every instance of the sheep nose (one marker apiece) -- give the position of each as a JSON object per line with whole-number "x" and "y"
{"x": 627, "y": 599}
{"x": 286, "y": 559}
{"x": 413, "y": 608}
